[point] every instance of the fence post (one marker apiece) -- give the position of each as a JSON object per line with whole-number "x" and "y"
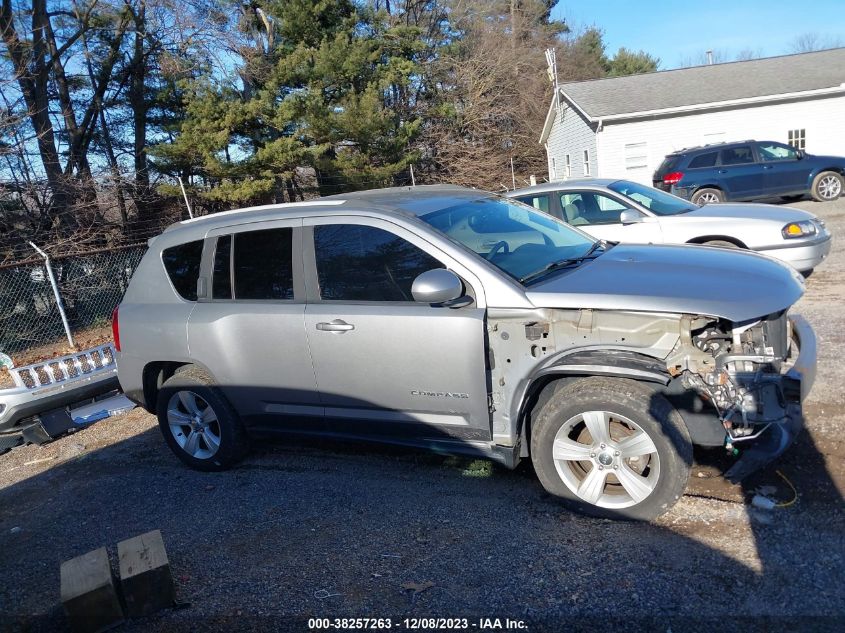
{"x": 56, "y": 293}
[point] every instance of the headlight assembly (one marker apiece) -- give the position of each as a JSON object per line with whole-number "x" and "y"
{"x": 804, "y": 228}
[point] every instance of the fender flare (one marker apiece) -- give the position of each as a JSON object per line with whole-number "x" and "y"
{"x": 593, "y": 362}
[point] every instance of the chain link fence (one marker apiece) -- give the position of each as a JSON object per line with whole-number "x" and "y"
{"x": 90, "y": 287}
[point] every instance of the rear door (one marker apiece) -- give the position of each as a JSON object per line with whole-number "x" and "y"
{"x": 740, "y": 173}
{"x": 385, "y": 364}
{"x": 249, "y": 329}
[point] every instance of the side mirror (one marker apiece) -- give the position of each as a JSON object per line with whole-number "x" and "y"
{"x": 630, "y": 216}
{"x": 799, "y": 154}
{"x": 437, "y": 286}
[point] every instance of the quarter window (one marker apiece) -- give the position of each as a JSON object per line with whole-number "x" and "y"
{"x": 365, "y": 263}
{"x": 798, "y": 139}
{"x": 737, "y": 155}
{"x": 182, "y": 264}
{"x": 263, "y": 264}
{"x": 704, "y": 160}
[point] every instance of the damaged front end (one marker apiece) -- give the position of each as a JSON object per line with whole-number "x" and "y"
{"x": 755, "y": 374}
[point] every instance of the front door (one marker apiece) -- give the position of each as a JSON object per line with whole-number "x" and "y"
{"x": 784, "y": 172}
{"x": 385, "y": 364}
{"x": 599, "y": 215}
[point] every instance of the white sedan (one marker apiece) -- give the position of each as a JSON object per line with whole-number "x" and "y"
{"x": 624, "y": 211}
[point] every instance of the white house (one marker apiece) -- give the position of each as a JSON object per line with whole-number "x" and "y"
{"x": 622, "y": 127}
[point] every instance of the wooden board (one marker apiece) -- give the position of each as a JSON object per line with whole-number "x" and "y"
{"x": 145, "y": 574}
{"x": 89, "y": 594}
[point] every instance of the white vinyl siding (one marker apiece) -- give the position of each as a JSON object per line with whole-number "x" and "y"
{"x": 636, "y": 157}
{"x": 821, "y": 119}
{"x": 570, "y": 134}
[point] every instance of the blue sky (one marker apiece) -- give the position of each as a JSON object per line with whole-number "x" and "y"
{"x": 678, "y": 31}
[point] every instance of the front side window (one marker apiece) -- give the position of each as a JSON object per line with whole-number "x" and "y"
{"x": 182, "y": 264}
{"x": 588, "y": 207}
{"x": 510, "y": 235}
{"x": 263, "y": 264}
{"x": 772, "y": 152}
{"x": 737, "y": 155}
{"x": 365, "y": 263}
{"x": 657, "y": 201}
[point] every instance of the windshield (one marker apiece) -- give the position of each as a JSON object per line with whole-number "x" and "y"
{"x": 511, "y": 235}
{"x": 656, "y": 201}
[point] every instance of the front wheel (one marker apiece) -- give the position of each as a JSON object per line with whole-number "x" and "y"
{"x": 708, "y": 195}
{"x": 827, "y": 186}
{"x": 611, "y": 447}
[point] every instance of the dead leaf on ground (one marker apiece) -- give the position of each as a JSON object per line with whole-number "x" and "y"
{"x": 417, "y": 587}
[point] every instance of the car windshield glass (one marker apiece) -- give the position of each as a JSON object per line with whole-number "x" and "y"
{"x": 512, "y": 236}
{"x": 656, "y": 201}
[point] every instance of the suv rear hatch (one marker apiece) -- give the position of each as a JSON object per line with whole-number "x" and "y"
{"x": 667, "y": 166}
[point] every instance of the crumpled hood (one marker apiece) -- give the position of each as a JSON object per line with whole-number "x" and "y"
{"x": 749, "y": 211}
{"x": 735, "y": 285}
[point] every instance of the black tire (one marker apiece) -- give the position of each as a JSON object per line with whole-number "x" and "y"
{"x": 232, "y": 440}
{"x": 708, "y": 192}
{"x": 721, "y": 243}
{"x": 642, "y": 405}
{"x": 827, "y": 186}
{"x": 794, "y": 198}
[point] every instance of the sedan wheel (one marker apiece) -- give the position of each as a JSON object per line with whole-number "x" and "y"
{"x": 707, "y": 196}
{"x": 194, "y": 424}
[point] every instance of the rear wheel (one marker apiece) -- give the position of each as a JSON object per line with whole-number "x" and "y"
{"x": 708, "y": 195}
{"x": 198, "y": 423}
{"x": 827, "y": 186}
{"x": 612, "y": 448}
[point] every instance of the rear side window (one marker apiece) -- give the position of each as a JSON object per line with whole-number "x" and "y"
{"x": 704, "y": 160}
{"x": 182, "y": 264}
{"x": 737, "y": 155}
{"x": 364, "y": 263}
{"x": 540, "y": 203}
{"x": 263, "y": 264}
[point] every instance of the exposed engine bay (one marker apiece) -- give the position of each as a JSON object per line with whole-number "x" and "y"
{"x": 732, "y": 382}
{"x": 743, "y": 372}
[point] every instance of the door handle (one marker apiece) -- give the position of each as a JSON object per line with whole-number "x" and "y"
{"x": 723, "y": 171}
{"x": 767, "y": 166}
{"x": 338, "y": 325}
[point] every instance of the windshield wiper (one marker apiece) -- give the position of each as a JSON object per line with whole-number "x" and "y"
{"x": 563, "y": 263}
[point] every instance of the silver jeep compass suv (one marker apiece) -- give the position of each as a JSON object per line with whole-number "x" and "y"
{"x": 464, "y": 322}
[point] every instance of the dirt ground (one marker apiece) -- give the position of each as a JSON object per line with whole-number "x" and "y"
{"x": 313, "y": 530}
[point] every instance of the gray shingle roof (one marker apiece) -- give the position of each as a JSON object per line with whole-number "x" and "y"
{"x": 708, "y": 84}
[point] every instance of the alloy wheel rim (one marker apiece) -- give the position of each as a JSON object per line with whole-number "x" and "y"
{"x": 606, "y": 459}
{"x": 708, "y": 198}
{"x": 193, "y": 424}
{"x": 830, "y": 187}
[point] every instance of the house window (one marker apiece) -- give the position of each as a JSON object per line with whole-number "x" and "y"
{"x": 554, "y": 169}
{"x": 586, "y": 162}
{"x": 568, "y": 167}
{"x": 636, "y": 156}
{"x": 797, "y": 138}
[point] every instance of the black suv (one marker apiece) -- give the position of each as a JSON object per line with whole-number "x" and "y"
{"x": 749, "y": 170}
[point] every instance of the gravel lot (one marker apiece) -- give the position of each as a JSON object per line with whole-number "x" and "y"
{"x": 261, "y": 546}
